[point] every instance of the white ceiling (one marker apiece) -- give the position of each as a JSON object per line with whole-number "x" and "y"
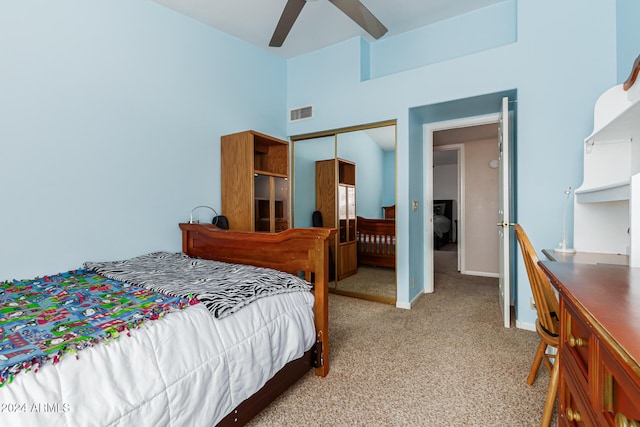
{"x": 385, "y": 137}
{"x": 320, "y": 23}
{"x": 465, "y": 134}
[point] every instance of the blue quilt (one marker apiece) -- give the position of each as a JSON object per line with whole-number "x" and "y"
{"x": 45, "y": 318}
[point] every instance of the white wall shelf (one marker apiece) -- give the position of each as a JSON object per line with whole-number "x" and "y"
{"x": 603, "y": 204}
{"x": 606, "y": 193}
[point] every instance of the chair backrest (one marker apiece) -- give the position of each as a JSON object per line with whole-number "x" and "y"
{"x": 543, "y": 295}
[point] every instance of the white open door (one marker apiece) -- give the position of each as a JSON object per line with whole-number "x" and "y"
{"x": 504, "y": 214}
{"x": 428, "y": 209}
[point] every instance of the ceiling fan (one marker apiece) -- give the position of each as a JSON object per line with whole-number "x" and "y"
{"x": 354, "y": 9}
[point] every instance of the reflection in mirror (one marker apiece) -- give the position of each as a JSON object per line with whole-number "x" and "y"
{"x": 306, "y": 152}
{"x": 349, "y": 178}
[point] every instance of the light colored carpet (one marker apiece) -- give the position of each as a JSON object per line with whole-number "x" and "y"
{"x": 376, "y": 281}
{"x": 447, "y": 361}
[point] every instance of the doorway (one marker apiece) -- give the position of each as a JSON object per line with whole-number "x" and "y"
{"x": 479, "y": 205}
{"x": 473, "y": 143}
{"x": 466, "y": 172}
{"x": 448, "y": 175}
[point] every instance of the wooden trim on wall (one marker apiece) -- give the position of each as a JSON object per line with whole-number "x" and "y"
{"x": 634, "y": 74}
{"x": 333, "y": 132}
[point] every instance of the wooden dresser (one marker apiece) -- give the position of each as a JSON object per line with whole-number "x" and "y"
{"x": 599, "y": 352}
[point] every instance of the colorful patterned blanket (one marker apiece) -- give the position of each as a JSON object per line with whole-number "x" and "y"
{"x": 43, "y": 319}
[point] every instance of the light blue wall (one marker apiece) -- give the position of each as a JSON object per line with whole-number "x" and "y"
{"x": 628, "y": 31}
{"x": 369, "y": 159}
{"x": 452, "y": 38}
{"x": 389, "y": 179}
{"x": 110, "y": 117}
{"x": 306, "y": 153}
{"x": 111, "y": 113}
{"x": 563, "y": 58}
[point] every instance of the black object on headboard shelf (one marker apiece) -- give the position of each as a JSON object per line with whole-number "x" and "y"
{"x": 221, "y": 221}
{"x": 448, "y": 212}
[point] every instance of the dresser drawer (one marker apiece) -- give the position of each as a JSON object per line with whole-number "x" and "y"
{"x": 620, "y": 391}
{"x": 574, "y": 408}
{"x": 576, "y": 336}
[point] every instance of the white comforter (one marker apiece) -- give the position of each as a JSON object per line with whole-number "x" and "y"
{"x": 187, "y": 369}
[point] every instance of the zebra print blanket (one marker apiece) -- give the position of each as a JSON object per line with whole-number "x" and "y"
{"x": 222, "y": 287}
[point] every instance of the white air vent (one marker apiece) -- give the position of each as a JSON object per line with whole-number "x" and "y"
{"x": 302, "y": 113}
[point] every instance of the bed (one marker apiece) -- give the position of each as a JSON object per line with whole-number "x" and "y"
{"x": 442, "y": 222}
{"x": 376, "y": 242}
{"x": 183, "y": 366}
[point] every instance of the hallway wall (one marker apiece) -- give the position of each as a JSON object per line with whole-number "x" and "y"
{"x": 481, "y": 207}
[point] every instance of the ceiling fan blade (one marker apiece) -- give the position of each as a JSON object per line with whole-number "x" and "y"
{"x": 289, "y": 15}
{"x": 355, "y": 10}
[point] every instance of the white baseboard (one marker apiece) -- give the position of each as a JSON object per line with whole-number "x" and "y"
{"x": 480, "y": 273}
{"x": 407, "y": 305}
{"x": 525, "y": 325}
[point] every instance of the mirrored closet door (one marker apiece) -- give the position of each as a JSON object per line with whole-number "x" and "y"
{"x": 346, "y": 179}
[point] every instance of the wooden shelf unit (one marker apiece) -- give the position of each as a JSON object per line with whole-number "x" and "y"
{"x": 336, "y": 201}
{"x": 255, "y": 181}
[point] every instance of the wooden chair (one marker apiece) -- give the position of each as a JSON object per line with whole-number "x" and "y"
{"x": 547, "y": 324}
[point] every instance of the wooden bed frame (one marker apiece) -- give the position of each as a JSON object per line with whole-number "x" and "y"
{"x": 296, "y": 251}
{"x": 370, "y": 233}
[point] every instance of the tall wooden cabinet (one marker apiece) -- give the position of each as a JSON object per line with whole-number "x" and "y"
{"x": 255, "y": 181}
{"x": 336, "y": 200}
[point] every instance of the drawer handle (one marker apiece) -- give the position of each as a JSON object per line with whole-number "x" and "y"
{"x": 623, "y": 421}
{"x": 574, "y": 415}
{"x": 577, "y": 342}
